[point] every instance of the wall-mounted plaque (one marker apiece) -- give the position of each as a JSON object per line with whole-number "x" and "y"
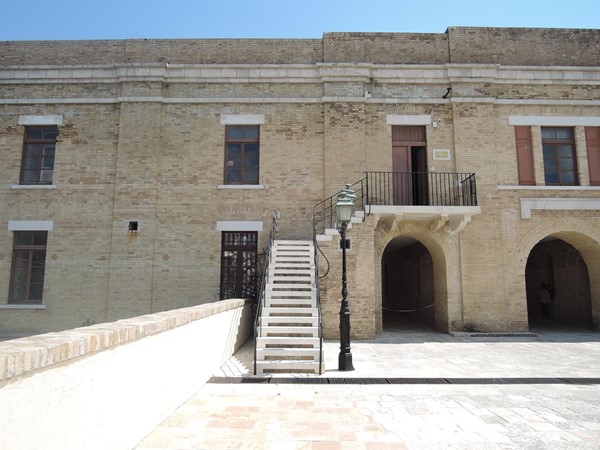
{"x": 441, "y": 154}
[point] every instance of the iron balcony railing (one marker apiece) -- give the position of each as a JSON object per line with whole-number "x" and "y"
{"x": 401, "y": 189}
{"x": 421, "y": 188}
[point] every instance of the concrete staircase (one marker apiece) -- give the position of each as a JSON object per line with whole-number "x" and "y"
{"x": 288, "y": 335}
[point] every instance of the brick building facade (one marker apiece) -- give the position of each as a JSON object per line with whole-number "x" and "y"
{"x": 127, "y": 164}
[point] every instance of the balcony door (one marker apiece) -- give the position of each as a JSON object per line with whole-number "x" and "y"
{"x": 409, "y": 164}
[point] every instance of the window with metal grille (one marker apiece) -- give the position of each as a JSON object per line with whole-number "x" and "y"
{"x": 238, "y": 264}
{"x": 37, "y": 164}
{"x": 28, "y": 267}
{"x": 560, "y": 163}
{"x": 242, "y": 151}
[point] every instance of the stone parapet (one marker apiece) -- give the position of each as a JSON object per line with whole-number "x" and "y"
{"x": 24, "y": 356}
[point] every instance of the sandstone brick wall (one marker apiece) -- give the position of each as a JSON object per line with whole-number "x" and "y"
{"x": 144, "y": 141}
{"x": 511, "y": 46}
{"x": 524, "y": 46}
{"x": 386, "y": 48}
{"x": 173, "y": 51}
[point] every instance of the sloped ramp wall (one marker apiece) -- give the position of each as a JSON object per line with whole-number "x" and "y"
{"x": 107, "y": 386}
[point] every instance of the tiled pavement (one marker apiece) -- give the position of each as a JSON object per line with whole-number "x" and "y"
{"x": 478, "y": 393}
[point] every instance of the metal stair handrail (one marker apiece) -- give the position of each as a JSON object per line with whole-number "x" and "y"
{"x": 263, "y": 283}
{"x": 324, "y": 211}
{"x": 318, "y": 301}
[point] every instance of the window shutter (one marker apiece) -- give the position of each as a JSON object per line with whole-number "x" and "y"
{"x": 592, "y": 140}
{"x": 524, "y": 156}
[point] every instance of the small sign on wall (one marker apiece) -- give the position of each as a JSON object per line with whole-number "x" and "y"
{"x": 441, "y": 154}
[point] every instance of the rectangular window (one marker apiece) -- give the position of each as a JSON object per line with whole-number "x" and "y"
{"x": 28, "y": 267}
{"x": 238, "y": 264}
{"x": 242, "y": 151}
{"x": 37, "y": 164}
{"x": 560, "y": 163}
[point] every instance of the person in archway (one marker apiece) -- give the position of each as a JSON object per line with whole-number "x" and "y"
{"x": 545, "y": 301}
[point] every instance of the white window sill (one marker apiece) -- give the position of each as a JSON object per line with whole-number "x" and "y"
{"x": 240, "y": 186}
{"x": 33, "y": 186}
{"x": 547, "y": 188}
{"x": 21, "y": 306}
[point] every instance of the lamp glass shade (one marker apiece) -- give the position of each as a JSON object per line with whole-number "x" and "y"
{"x": 344, "y": 205}
{"x": 343, "y": 212}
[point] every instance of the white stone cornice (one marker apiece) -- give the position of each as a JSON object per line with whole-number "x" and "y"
{"x": 282, "y": 73}
{"x": 293, "y": 100}
{"x": 558, "y": 204}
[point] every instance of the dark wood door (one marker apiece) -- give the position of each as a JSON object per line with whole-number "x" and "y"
{"x": 409, "y": 164}
{"x": 420, "y": 185}
{"x": 401, "y": 178}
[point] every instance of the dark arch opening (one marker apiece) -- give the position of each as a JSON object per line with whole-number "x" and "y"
{"x": 407, "y": 285}
{"x": 556, "y": 266}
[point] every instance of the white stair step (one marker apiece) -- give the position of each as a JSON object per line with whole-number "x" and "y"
{"x": 304, "y": 288}
{"x": 291, "y": 321}
{"x": 286, "y": 271}
{"x": 291, "y": 294}
{"x": 305, "y": 298}
{"x": 289, "y": 310}
{"x": 266, "y": 341}
{"x": 293, "y": 259}
{"x": 294, "y": 248}
{"x": 294, "y": 330}
{"x": 288, "y": 265}
{"x": 286, "y": 277}
{"x": 290, "y": 366}
{"x": 287, "y": 352}
{"x": 288, "y": 242}
{"x": 287, "y": 286}
{"x": 309, "y": 302}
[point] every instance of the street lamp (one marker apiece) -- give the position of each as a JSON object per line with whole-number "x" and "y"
{"x": 343, "y": 210}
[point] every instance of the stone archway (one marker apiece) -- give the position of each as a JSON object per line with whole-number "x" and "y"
{"x": 584, "y": 244}
{"x": 408, "y": 296}
{"x": 444, "y": 283}
{"x": 560, "y": 267}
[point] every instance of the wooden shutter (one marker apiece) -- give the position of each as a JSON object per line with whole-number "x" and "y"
{"x": 524, "y": 156}
{"x": 592, "y": 140}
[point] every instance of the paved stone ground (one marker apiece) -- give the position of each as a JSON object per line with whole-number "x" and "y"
{"x": 524, "y": 413}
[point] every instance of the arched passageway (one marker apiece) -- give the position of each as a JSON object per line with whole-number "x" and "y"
{"x": 408, "y": 294}
{"x": 557, "y": 267}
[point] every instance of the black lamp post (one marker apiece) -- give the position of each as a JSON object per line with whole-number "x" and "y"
{"x": 343, "y": 209}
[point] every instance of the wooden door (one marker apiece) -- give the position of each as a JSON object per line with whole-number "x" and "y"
{"x": 401, "y": 178}
{"x": 420, "y": 176}
{"x": 409, "y": 164}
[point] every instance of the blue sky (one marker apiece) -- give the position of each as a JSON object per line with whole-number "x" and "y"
{"x": 118, "y": 19}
